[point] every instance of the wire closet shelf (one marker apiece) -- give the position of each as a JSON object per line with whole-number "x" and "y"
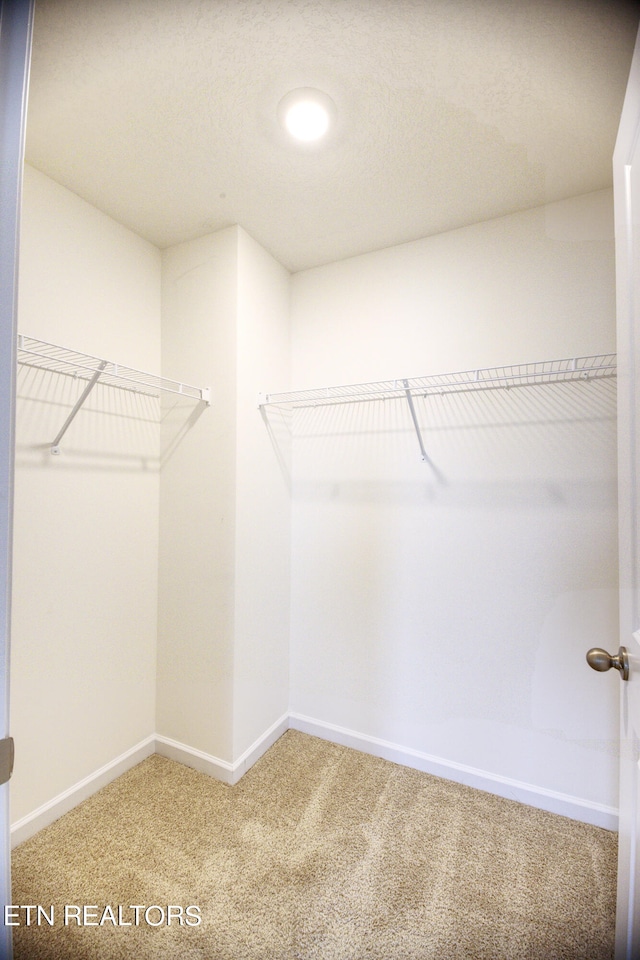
{"x": 484, "y": 378}
{"x": 518, "y": 375}
{"x": 49, "y": 356}
{"x": 84, "y": 367}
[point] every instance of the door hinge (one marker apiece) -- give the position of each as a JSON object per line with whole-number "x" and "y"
{"x": 6, "y": 759}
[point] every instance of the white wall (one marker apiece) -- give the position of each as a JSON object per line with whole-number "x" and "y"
{"x": 224, "y": 555}
{"x": 86, "y": 534}
{"x": 197, "y": 504}
{"x": 152, "y": 554}
{"x": 263, "y": 502}
{"x": 451, "y": 616}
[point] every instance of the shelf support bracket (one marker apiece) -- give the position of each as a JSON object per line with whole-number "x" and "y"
{"x": 412, "y": 409}
{"x": 55, "y": 446}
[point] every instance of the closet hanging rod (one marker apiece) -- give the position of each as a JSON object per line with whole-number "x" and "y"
{"x": 524, "y": 374}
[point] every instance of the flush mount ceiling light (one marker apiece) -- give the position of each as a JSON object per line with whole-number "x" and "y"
{"x": 306, "y": 114}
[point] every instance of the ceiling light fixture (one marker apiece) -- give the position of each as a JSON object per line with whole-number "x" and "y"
{"x": 306, "y": 114}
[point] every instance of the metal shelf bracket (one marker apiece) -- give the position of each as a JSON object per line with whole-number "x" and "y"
{"x": 55, "y": 446}
{"x": 412, "y": 410}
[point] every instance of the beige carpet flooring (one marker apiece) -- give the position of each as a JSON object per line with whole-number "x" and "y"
{"x": 319, "y": 853}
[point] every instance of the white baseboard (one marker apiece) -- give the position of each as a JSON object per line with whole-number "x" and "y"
{"x": 215, "y": 767}
{"x": 563, "y": 804}
{"x": 260, "y": 747}
{"x": 230, "y": 773}
{"x": 24, "y": 828}
{"x": 196, "y": 759}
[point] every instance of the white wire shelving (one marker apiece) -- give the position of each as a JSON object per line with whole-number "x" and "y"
{"x": 524, "y": 374}
{"x": 83, "y": 366}
{"x": 484, "y": 378}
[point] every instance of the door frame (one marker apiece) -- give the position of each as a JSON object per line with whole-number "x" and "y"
{"x": 16, "y": 28}
{"x": 627, "y": 246}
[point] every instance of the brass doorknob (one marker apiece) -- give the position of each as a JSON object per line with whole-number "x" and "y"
{"x": 599, "y": 659}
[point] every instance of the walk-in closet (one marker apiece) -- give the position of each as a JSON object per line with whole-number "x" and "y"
{"x": 318, "y": 436}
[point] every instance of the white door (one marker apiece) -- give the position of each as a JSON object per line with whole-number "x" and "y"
{"x": 626, "y": 171}
{"x": 15, "y": 47}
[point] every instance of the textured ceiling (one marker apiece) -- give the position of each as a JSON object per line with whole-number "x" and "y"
{"x": 162, "y": 113}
